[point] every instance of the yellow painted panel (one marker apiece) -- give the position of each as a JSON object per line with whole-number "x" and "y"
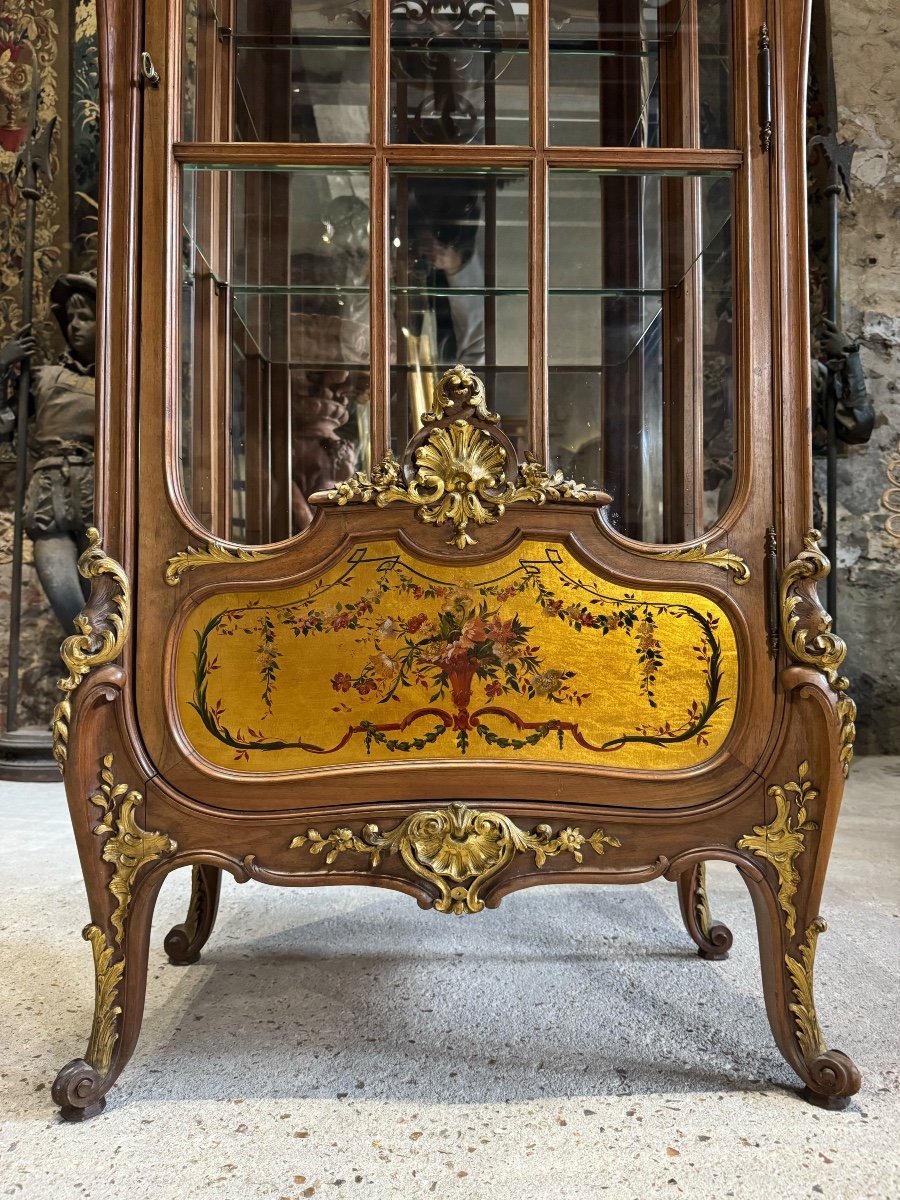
{"x": 388, "y": 658}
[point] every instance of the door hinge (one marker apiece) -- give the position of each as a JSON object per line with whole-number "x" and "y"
{"x": 765, "y": 89}
{"x": 149, "y": 73}
{"x": 773, "y": 621}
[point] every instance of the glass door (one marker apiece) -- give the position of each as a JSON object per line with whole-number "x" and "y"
{"x": 546, "y": 192}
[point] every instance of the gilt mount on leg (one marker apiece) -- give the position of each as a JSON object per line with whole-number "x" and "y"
{"x": 788, "y": 934}
{"x": 79, "y": 1087}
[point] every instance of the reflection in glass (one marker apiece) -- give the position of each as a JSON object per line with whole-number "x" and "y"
{"x": 459, "y": 290}
{"x": 277, "y": 71}
{"x": 639, "y": 343}
{"x": 277, "y": 263}
{"x": 718, "y": 343}
{"x": 625, "y": 73}
{"x": 459, "y": 71}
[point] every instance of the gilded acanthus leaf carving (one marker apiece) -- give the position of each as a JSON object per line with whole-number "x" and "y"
{"x": 101, "y": 631}
{"x": 459, "y": 472}
{"x": 214, "y": 553}
{"x": 781, "y": 841}
{"x": 129, "y": 848}
{"x": 809, "y": 1033}
{"x": 806, "y": 629}
{"x": 108, "y": 971}
{"x": 724, "y": 559}
{"x": 458, "y": 849}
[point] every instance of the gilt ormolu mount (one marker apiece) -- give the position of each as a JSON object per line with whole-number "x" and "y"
{"x": 473, "y": 671}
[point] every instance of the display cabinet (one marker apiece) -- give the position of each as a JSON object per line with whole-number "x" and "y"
{"x": 454, "y": 475}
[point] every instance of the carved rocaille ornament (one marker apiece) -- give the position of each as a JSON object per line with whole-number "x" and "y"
{"x": 457, "y": 848}
{"x": 783, "y": 839}
{"x": 807, "y": 633}
{"x": 102, "y": 629}
{"x": 459, "y": 468}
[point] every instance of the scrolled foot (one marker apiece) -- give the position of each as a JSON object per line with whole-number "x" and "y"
{"x": 718, "y": 942}
{"x": 184, "y": 942}
{"x": 834, "y": 1078}
{"x": 712, "y": 941}
{"x": 179, "y": 946}
{"x": 77, "y": 1091}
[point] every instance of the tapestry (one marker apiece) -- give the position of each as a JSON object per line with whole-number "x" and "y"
{"x": 387, "y": 658}
{"x": 85, "y": 135}
{"x": 29, "y": 49}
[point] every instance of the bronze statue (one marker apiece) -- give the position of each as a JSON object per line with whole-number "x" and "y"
{"x": 59, "y": 501}
{"x": 840, "y": 369}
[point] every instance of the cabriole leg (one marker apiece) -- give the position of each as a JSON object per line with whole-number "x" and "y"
{"x": 121, "y": 906}
{"x": 786, "y": 892}
{"x": 185, "y": 941}
{"x": 713, "y": 941}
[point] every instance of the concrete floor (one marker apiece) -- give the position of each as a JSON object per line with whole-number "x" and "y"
{"x": 337, "y": 1042}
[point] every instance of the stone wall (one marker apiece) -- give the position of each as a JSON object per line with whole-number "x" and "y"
{"x": 866, "y": 45}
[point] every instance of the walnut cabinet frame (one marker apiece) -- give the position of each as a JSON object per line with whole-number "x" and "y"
{"x": 470, "y": 673}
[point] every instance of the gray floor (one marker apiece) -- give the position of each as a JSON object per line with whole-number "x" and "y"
{"x": 339, "y": 1042}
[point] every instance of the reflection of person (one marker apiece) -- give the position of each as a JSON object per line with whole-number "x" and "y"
{"x": 445, "y": 225}
{"x": 466, "y": 310}
{"x": 60, "y": 498}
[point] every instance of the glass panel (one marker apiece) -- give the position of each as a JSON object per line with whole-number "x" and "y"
{"x": 279, "y": 71}
{"x": 459, "y": 290}
{"x": 718, "y": 351}
{"x": 622, "y": 73}
{"x": 275, "y": 343}
{"x": 459, "y": 71}
{"x": 640, "y": 346}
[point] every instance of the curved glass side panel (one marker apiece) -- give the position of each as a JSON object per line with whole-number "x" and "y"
{"x": 640, "y": 345}
{"x": 275, "y": 343}
{"x": 276, "y": 71}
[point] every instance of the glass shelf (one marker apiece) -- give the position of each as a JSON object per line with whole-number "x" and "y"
{"x": 339, "y": 292}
